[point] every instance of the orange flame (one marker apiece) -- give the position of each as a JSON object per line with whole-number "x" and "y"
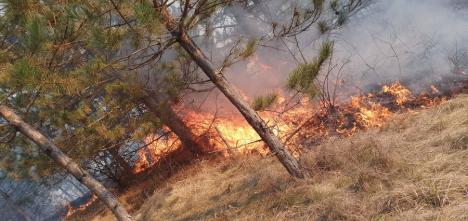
{"x": 371, "y": 114}
{"x": 434, "y": 89}
{"x": 233, "y": 135}
{"x": 401, "y": 93}
{"x": 155, "y": 147}
{"x": 83, "y": 207}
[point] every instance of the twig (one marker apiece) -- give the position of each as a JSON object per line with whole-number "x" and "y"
{"x": 229, "y": 147}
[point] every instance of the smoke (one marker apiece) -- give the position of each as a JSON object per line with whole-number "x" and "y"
{"x": 403, "y": 40}
{"x": 416, "y": 42}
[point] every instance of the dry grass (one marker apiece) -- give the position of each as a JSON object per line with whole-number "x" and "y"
{"x": 414, "y": 168}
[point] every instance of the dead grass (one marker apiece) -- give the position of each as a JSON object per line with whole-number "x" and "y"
{"x": 414, "y": 168}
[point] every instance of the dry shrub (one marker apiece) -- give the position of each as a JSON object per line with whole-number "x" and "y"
{"x": 323, "y": 159}
{"x": 357, "y": 152}
{"x": 460, "y": 143}
{"x": 362, "y": 161}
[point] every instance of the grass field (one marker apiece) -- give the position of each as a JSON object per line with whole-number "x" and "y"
{"x": 413, "y": 168}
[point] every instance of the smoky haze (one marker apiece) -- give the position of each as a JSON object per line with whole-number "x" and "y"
{"x": 404, "y": 40}
{"x": 415, "y": 41}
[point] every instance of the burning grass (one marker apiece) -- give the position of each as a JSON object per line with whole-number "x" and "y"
{"x": 302, "y": 126}
{"x": 386, "y": 172}
{"x": 412, "y": 168}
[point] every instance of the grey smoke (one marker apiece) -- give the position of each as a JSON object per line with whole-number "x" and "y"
{"x": 406, "y": 40}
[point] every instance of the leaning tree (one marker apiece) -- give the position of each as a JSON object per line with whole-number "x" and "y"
{"x": 139, "y": 41}
{"x": 183, "y": 19}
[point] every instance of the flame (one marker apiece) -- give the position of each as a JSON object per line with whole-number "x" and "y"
{"x": 155, "y": 147}
{"x": 142, "y": 163}
{"x": 231, "y": 135}
{"x": 236, "y": 135}
{"x": 401, "y": 93}
{"x": 370, "y": 114}
{"x": 82, "y": 207}
{"x": 435, "y": 90}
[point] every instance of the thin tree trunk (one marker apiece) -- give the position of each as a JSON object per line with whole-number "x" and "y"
{"x": 63, "y": 160}
{"x": 267, "y": 135}
{"x": 160, "y": 107}
{"x": 174, "y": 123}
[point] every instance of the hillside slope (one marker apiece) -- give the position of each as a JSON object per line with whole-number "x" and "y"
{"x": 413, "y": 168}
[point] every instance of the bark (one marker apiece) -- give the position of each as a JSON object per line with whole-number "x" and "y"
{"x": 67, "y": 163}
{"x": 265, "y": 132}
{"x": 161, "y": 108}
{"x": 164, "y": 112}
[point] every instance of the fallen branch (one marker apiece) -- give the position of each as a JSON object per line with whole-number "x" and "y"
{"x": 67, "y": 163}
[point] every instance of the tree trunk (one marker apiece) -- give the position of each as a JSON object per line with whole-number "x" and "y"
{"x": 267, "y": 135}
{"x": 164, "y": 112}
{"x": 68, "y": 164}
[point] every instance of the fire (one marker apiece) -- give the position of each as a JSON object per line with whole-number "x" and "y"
{"x": 155, "y": 147}
{"x": 143, "y": 163}
{"x": 369, "y": 114}
{"x": 237, "y": 136}
{"x": 300, "y": 127}
{"x": 82, "y": 207}
{"x": 230, "y": 135}
{"x": 401, "y": 93}
{"x": 233, "y": 135}
{"x": 435, "y": 90}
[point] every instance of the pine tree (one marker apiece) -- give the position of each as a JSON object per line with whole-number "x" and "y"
{"x": 61, "y": 69}
{"x": 99, "y": 73}
{"x": 68, "y": 164}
